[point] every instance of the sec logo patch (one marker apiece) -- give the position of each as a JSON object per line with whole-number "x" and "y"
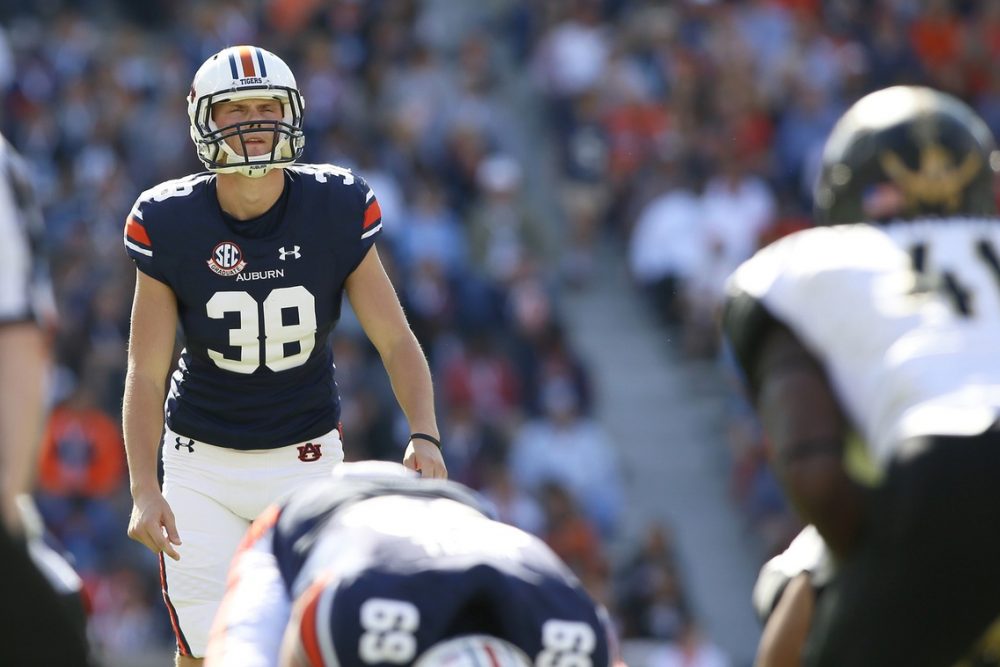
{"x": 227, "y": 259}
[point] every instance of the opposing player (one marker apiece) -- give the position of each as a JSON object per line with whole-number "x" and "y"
{"x": 252, "y": 258}
{"x": 37, "y": 629}
{"x": 885, "y": 333}
{"x": 785, "y": 595}
{"x": 377, "y": 566}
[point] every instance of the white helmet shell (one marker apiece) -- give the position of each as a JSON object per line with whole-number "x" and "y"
{"x": 245, "y": 72}
{"x": 473, "y": 651}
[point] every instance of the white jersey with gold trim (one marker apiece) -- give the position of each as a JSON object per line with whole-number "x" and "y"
{"x": 905, "y": 318}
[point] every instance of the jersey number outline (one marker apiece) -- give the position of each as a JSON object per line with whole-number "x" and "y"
{"x": 566, "y": 644}
{"x": 389, "y": 628}
{"x": 271, "y": 346}
{"x": 960, "y": 296}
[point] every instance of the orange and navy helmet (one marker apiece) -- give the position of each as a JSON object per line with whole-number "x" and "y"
{"x": 245, "y": 72}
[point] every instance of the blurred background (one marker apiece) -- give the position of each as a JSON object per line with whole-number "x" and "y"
{"x": 565, "y": 185}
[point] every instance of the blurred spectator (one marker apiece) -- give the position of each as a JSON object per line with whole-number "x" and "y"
{"x": 511, "y": 503}
{"x": 482, "y": 377}
{"x": 651, "y": 600}
{"x": 475, "y": 447}
{"x": 83, "y": 456}
{"x": 667, "y": 245}
{"x": 691, "y": 649}
{"x": 574, "y": 538}
{"x": 506, "y": 240}
{"x": 565, "y": 447}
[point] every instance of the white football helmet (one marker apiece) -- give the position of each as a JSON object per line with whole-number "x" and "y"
{"x": 245, "y": 72}
{"x": 473, "y": 651}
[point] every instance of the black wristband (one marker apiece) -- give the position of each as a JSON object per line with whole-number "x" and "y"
{"x": 428, "y": 438}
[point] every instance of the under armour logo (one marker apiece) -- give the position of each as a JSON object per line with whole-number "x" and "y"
{"x": 189, "y": 444}
{"x": 309, "y": 452}
{"x": 294, "y": 252}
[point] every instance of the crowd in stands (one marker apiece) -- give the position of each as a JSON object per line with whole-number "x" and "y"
{"x": 505, "y": 140}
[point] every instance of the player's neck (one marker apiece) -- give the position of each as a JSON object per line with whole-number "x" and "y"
{"x": 246, "y": 198}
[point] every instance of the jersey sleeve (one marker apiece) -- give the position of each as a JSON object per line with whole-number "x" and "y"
{"x": 363, "y": 226}
{"x": 371, "y": 222}
{"x": 249, "y": 626}
{"x": 745, "y": 323}
{"x": 778, "y": 287}
{"x": 139, "y": 241}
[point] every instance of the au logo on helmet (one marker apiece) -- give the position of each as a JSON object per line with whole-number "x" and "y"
{"x": 227, "y": 259}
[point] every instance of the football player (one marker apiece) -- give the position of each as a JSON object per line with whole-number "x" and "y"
{"x": 869, "y": 346}
{"x": 251, "y": 258}
{"x": 38, "y": 626}
{"x": 378, "y": 567}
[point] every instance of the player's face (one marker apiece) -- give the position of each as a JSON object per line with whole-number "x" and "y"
{"x": 248, "y": 111}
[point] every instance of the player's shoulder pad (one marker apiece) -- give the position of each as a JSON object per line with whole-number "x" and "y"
{"x": 302, "y": 516}
{"x": 745, "y": 318}
{"x": 159, "y": 202}
{"x": 323, "y": 498}
{"x": 167, "y": 194}
{"x": 328, "y": 177}
{"x": 345, "y": 190}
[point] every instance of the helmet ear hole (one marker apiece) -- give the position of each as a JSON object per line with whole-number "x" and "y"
{"x": 245, "y": 72}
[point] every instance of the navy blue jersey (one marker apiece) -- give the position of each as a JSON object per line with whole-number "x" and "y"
{"x": 257, "y": 300}
{"x": 420, "y": 557}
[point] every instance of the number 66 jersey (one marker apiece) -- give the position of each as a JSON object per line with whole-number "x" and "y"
{"x": 256, "y": 300}
{"x": 904, "y": 317}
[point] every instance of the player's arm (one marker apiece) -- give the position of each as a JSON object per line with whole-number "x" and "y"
{"x": 150, "y": 352}
{"x": 375, "y": 302}
{"x": 248, "y": 628}
{"x": 784, "y": 597}
{"x": 807, "y": 430}
{"x": 23, "y": 363}
{"x": 786, "y": 630}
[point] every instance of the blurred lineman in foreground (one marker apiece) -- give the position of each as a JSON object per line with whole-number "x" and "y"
{"x": 378, "y": 567}
{"x": 869, "y": 345}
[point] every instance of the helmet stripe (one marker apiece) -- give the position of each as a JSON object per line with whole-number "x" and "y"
{"x": 260, "y": 61}
{"x": 247, "y": 61}
{"x": 232, "y": 66}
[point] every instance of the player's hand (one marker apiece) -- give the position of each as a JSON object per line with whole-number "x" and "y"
{"x": 425, "y": 458}
{"x": 152, "y": 524}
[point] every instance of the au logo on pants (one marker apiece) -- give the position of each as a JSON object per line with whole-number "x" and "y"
{"x": 310, "y": 451}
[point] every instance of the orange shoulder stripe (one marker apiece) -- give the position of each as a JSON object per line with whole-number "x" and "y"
{"x": 136, "y": 231}
{"x": 372, "y": 214}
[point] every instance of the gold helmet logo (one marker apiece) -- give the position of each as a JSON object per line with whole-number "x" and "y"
{"x": 937, "y": 182}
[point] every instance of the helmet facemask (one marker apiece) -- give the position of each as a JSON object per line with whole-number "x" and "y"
{"x": 242, "y": 73}
{"x": 288, "y": 139}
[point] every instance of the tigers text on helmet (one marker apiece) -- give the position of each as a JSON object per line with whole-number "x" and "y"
{"x": 906, "y": 152}
{"x": 242, "y": 73}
